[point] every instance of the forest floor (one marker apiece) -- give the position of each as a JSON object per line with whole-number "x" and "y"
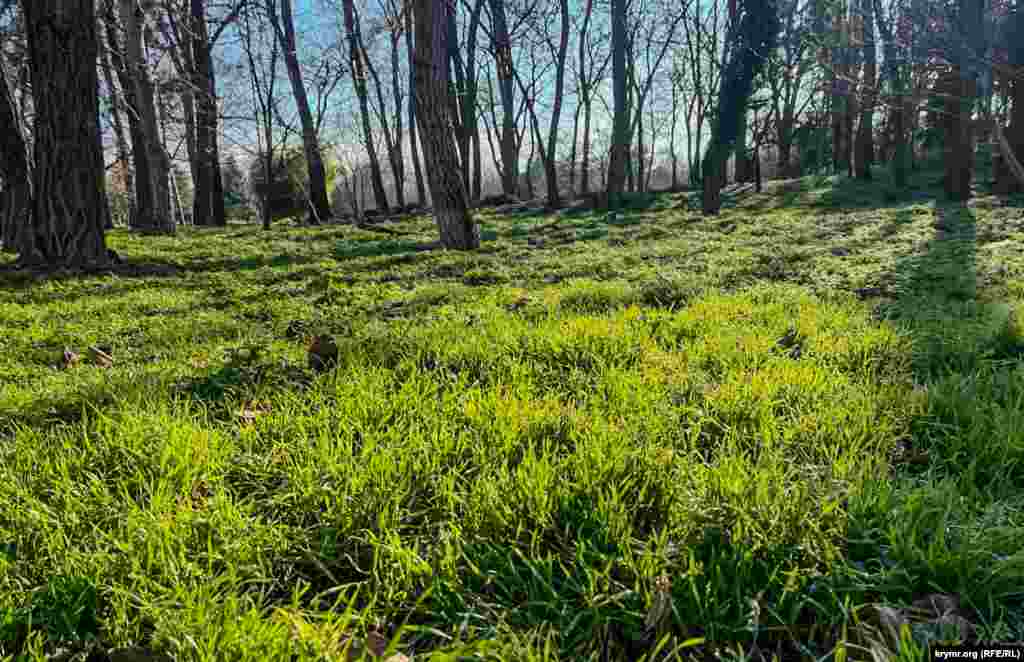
{"x": 795, "y": 429}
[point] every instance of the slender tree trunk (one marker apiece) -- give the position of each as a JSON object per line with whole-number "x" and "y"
{"x": 320, "y": 208}
{"x": 69, "y": 203}
{"x": 206, "y": 209}
{"x": 421, "y": 189}
{"x": 1006, "y": 183}
{"x": 447, "y": 188}
{"x": 585, "y": 160}
{"x": 865, "y": 133}
{"x": 744, "y": 166}
{"x": 619, "y": 153}
{"x": 504, "y": 66}
{"x": 123, "y": 154}
{"x": 572, "y": 150}
{"x": 158, "y": 164}
{"x": 16, "y": 198}
{"x": 396, "y": 155}
{"x": 358, "y": 67}
{"x": 550, "y": 166}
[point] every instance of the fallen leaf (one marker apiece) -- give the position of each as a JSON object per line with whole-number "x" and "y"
{"x": 101, "y": 356}
{"x": 70, "y": 359}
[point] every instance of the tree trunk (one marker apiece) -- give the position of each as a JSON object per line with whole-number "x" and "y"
{"x": 319, "y": 207}
{"x": 207, "y": 210}
{"x": 619, "y": 153}
{"x": 550, "y": 166}
{"x": 390, "y": 143}
{"x": 469, "y": 138}
{"x": 503, "y": 64}
{"x": 16, "y": 197}
{"x": 158, "y": 217}
{"x": 572, "y": 149}
{"x": 358, "y": 66}
{"x": 447, "y": 188}
{"x": 865, "y": 133}
{"x": 421, "y": 189}
{"x": 123, "y": 154}
{"x": 744, "y": 170}
{"x": 69, "y": 203}
{"x": 585, "y": 160}
{"x": 1006, "y": 183}
{"x": 959, "y": 157}
{"x": 396, "y": 156}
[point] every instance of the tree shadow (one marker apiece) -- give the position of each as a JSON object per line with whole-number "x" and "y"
{"x": 935, "y": 295}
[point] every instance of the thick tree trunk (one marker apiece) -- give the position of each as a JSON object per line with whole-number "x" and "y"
{"x": 959, "y": 156}
{"x": 69, "y": 203}
{"x": 421, "y": 189}
{"x": 159, "y": 217}
{"x": 16, "y": 197}
{"x": 357, "y": 66}
{"x": 319, "y": 207}
{"x": 503, "y": 62}
{"x": 447, "y": 188}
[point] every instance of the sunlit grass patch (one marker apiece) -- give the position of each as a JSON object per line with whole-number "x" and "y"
{"x": 808, "y": 410}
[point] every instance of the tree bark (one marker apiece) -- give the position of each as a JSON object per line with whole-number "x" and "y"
{"x": 447, "y": 188}
{"x": 1006, "y": 183}
{"x": 319, "y": 206}
{"x": 550, "y": 169}
{"x": 865, "y": 132}
{"x": 208, "y": 204}
{"x": 69, "y": 203}
{"x": 503, "y": 61}
{"x": 158, "y": 218}
{"x": 620, "y": 120}
{"x": 421, "y": 189}
{"x": 357, "y": 66}
{"x": 123, "y": 154}
{"x": 16, "y": 198}
{"x": 959, "y": 156}
{"x": 397, "y": 157}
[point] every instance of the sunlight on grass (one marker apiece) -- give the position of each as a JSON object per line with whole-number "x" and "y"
{"x": 520, "y": 454}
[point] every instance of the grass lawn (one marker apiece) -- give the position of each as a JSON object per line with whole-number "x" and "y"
{"x": 795, "y": 429}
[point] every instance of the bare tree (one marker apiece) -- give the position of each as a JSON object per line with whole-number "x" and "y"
{"x": 358, "y": 63}
{"x": 284, "y": 28}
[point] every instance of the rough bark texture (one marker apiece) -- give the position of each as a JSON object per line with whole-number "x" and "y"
{"x": 320, "y": 208}
{"x": 16, "y": 196}
{"x": 158, "y": 217}
{"x": 451, "y": 209}
{"x": 69, "y": 205}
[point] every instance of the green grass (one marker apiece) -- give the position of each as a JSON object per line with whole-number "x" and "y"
{"x": 771, "y": 431}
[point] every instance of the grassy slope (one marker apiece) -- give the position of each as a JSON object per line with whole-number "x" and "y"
{"x": 782, "y": 418}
